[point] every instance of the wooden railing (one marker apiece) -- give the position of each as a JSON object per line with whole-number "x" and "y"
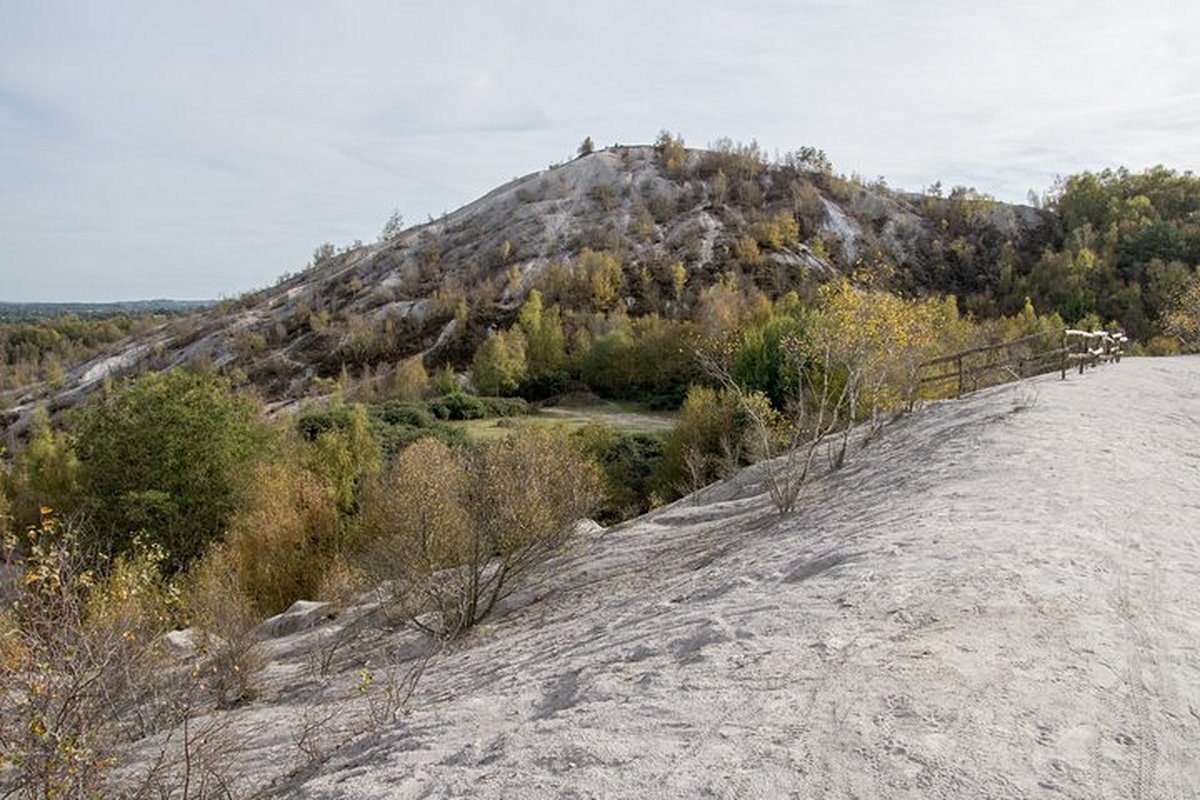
{"x": 1089, "y": 348}
{"x": 966, "y": 371}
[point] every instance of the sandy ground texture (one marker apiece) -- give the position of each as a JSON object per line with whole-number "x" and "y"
{"x": 996, "y": 597}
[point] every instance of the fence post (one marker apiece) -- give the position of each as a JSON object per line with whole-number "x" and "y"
{"x": 1064, "y": 355}
{"x": 960, "y": 376}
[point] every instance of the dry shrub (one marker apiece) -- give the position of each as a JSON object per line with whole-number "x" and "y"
{"x": 82, "y": 669}
{"x": 224, "y": 617}
{"x": 459, "y": 531}
{"x": 281, "y": 542}
{"x": 409, "y": 381}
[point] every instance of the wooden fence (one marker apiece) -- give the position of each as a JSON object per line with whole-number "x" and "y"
{"x": 969, "y": 370}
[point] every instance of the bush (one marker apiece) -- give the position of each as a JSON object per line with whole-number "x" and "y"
{"x": 457, "y": 406}
{"x": 461, "y": 530}
{"x": 165, "y": 455}
{"x": 546, "y": 385}
{"x": 404, "y": 414}
{"x": 706, "y": 443}
{"x": 628, "y": 462}
{"x": 397, "y": 429}
{"x": 81, "y": 666}
{"x": 281, "y": 541}
{"x": 505, "y": 406}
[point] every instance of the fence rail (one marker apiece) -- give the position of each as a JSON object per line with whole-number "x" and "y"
{"x": 1036, "y": 354}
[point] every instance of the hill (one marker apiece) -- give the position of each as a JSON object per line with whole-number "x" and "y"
{"x": 674, "y": 222}
{"x": 995, "y": 598}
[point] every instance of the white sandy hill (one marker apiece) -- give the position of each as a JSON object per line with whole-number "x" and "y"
{"x": 998, "y": 597}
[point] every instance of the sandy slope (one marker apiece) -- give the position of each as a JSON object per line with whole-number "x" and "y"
{"x": 993, "y": 599}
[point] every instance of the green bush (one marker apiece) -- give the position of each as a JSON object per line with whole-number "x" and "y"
{"x": 706, "y": 443}
{"x": 412, "y": 415}
{"x": 312, "y": 422}
{"x": 505, "y": 406}
{"x": 457, "y": 406}
{"x": 462, "y": 406}
{"x": 165, "y": 455}
{"x": 628, "y": 462}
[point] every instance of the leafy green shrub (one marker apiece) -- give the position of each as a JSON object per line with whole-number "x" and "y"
{"x": 705, "y": 444}
{"x": 165, "y": 455}
{"x": 457, "y": 406}
{"x": 546, "y": 385}
{"x": 312, "y": 422}
{"x": 505, "y": 406}
{"x": 413, "y": 415}
{"x": 628, "y": 462}
{"x": 397, "y": 425}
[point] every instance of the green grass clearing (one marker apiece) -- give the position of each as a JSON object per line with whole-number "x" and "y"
{"x": 623, "y": 416}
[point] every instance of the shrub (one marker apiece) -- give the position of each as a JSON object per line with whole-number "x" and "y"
{"x": 462, "y": 530}
{"x": 217, "y": 606}
{"x": 505, "y": 406}
{"x": 405, "y": 414}
{"x": 164, "y": 455}
{"x": 81, "y": 667}
{"x": 628, "y": 462}
{"x": 705, "y": 444}
{"x": 397, "y": 425}
{"x": 457, "y": 406}
{"x": 282, "y": 540}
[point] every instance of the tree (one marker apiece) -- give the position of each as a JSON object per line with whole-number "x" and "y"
{"x": 323, "y": 253}
{"x": 586, "y": 148}
{"x": 671, "y": 153}
{"x": 500, "y": 364}
{"x": 1183, "y": 315}
{"x": 46, "y": 474}
{"x": 545, "y": 351}
{"x": 392, "y": 228}
{"x": 409, "y": 380}
{"x": 605, "y": 277}
{"x": 163, "y": 455}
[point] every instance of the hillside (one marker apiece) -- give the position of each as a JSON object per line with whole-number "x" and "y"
{"x": 675, "y": 223}
{"x": 997, "y": 597}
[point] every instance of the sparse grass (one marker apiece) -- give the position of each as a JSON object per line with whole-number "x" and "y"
{"x": 624, "y": 416}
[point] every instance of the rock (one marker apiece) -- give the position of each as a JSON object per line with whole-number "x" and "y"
{"x": 587, "y": 527}
{"x": 188, "y": 642}
{"x": 300, "y": 616}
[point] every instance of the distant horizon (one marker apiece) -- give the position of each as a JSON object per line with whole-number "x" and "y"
{"x": 200, "y": 151}
{"x": 148, "y": 301}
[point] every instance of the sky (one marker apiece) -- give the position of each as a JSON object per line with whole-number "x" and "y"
{"x": 196, "y": 150}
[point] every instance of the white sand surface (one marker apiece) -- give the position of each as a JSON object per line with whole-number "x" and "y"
{"x": 997, "y": 597}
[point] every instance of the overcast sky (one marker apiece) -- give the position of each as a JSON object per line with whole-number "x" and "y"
{"x": 199, "y": 149}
